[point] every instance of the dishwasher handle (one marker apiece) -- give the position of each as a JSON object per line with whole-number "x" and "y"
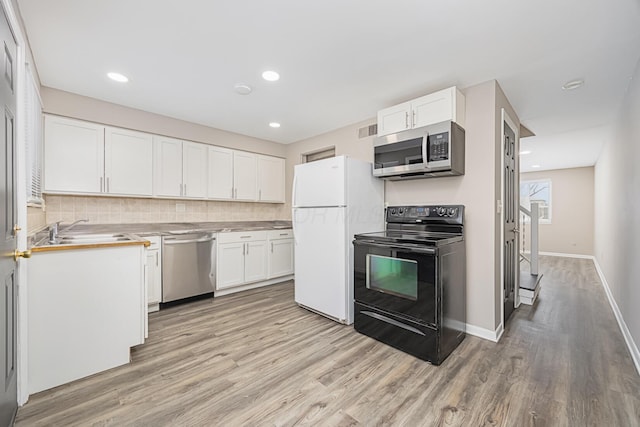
{"x": 178, "y": 241}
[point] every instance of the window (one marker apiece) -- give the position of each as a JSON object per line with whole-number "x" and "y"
{"x": 325, "y": 153}
{"x": 33, "y": 134}
{"x": 537, "y": 191}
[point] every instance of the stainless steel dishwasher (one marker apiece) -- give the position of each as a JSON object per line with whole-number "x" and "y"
{"x": 188, "y": 265}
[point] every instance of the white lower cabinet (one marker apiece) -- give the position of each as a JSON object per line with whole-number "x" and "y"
{"x": 280, "y": 253}
{"x": 241, "y": 258}
{"x": 154, "y": 273}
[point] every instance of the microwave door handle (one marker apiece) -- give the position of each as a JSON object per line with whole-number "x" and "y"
{"x": 425, "y": 160}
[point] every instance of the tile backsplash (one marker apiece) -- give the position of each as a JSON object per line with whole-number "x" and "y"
{"x": 114, "y": 210}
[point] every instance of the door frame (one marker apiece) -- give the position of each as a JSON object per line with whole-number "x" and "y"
{"x": 21, "y": 199}
{"x": 516, "y": 292}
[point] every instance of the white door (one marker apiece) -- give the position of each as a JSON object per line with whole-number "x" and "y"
{"x": 320, "y": 183}
{"x": 255, "y": 261}
{"x": 220, "y": 173}
{"x": 73, "y": 156}
{"x": 245, "y": 168}
{"x": 230, "y": 266}
{"x": 270, "y": 179}
{"x": 167, "y": 166}
{"x": 280, "y": 258}
{"x": 394, "y": 119}
{"x": 321, "y": 260}
{"x": 194, "y": 169}
{"x": 128, "y": 162}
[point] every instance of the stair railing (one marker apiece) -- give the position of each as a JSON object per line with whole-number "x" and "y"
{"x": 531, "y": 217}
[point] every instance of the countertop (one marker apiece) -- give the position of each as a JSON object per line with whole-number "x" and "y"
{"x": 150, "y": 229}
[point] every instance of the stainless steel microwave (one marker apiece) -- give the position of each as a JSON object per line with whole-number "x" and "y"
{"x": 426, "y": 152}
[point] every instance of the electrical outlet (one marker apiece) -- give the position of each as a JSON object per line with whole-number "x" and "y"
{"x": 181, "y": 207}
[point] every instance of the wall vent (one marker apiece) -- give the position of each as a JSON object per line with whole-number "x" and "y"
{"x": 367, "y": 131}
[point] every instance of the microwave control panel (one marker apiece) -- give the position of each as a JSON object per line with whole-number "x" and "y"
{"x": 438, "y": 147}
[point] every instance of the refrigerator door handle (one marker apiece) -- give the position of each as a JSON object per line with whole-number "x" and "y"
{"x": 293, "y": 224}
{"x": 293, "y": 195}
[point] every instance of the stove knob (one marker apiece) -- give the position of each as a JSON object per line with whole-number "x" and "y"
{"x": 393, "y": 211}
{"x": 452, "y": 212}
{"x": 441, "y": 211}
{"x": 400, "y": 211}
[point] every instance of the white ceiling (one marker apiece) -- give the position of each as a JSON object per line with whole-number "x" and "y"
{"x": 342, "y": 61}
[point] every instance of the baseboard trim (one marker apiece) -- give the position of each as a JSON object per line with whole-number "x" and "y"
{"x": 486, "y": 334}
{"x": 631, "y": 345}
{"x": 563, "y": 255}
{"x": 227, "y": 291}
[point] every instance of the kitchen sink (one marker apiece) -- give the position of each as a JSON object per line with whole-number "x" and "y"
{"x": 86, "y": 239}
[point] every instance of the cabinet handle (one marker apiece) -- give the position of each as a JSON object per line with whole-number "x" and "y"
{"x": 245, "y": 237}
{"x": 232, "y": 192}
{"x": 406, "y": 120}
{"x": 271, "y": 247}
{"x": 185, "y": 189}
{"x": 247, "y": 245}
{"x": 243, "y": 248}
{"x": 259, "y": 194}
{"x": 101, "y": 184}
{"x": 413, "y": 119}
{"x": 108, "y": 180}
{"x": 156, "y": 258}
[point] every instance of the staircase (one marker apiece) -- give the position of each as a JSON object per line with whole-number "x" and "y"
{"x": 529, "y": 275}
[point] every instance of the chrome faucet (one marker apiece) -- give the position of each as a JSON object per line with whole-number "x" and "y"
{"x": 54, "y": 229}
{"x": 74, "y": 223}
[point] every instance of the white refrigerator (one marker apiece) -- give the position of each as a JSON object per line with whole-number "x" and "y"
{"x": 332, "y": 200}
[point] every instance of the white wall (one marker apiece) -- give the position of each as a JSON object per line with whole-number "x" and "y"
{"x": 572, "y": 204}
{"x": 617, "y": 210}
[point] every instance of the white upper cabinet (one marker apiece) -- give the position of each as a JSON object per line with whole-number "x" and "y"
{"x": 82, "y": 157}
{"x": 245, "y": 175}
{"x": 220, "y": 185}
{"x": 73, "y": 156}
{"x": 194, "y": 169}
{"x": 167, "y": 166}
{"x": 444, "y": 105}
{"x": 270, "y": 179}
{"x": 128, "y": 162}
{"x": 180, "y": 168}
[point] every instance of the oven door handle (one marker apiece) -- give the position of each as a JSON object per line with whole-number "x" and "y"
{"x": 413, "y": 248}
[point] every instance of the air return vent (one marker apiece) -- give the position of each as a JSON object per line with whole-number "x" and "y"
{"x": 366, "y": 131}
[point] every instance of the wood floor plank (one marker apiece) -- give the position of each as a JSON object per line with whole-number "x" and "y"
{"x": 257, "y": 359}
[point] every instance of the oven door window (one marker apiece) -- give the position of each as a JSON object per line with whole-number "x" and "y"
{"x": 395, "y": 276}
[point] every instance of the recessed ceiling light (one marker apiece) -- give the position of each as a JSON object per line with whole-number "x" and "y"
{"x": 522, "y": 153}
{"x": 242, "y": 89}
{"x": 573, "y": 84}
{"x": 274, "y": 124}
{"x": 535, "y": 166}
{"x": 270, "y": 76}
{"x": 118, "y": 77}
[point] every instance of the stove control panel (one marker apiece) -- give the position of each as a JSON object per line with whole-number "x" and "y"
{"x": 418, "y": 214}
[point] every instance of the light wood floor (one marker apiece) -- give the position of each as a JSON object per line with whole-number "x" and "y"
{"x": 256, "y": 359}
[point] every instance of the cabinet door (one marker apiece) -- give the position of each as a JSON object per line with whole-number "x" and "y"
{"x": 73, "y": 156}
{"x": 270, "y": 179}
{"x": 194, "y": 169}
{"x": 433, "y": 108}
{"x": 230, "y": 265}
{"x": 220, "y": 173}
{"x": 154, "y": 277}
{"x": 128, "y": 162}
{"x": 167, "y": 166}
{"x": 280, "y": 258}
{"x": 394, "y": 119}
{"x": 255, "y": 261}
{"x": 245, "y": 175}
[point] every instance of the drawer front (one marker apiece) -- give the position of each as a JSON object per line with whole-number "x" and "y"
{"x": 155, "y": 242}
{"x": 242, "y": 236}
{"x": 280, "y": 234}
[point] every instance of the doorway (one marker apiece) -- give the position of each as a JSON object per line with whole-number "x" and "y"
{"x": 8, "y": 229}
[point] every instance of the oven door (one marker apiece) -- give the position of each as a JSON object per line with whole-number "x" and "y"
{"x": 397, "y": 279}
